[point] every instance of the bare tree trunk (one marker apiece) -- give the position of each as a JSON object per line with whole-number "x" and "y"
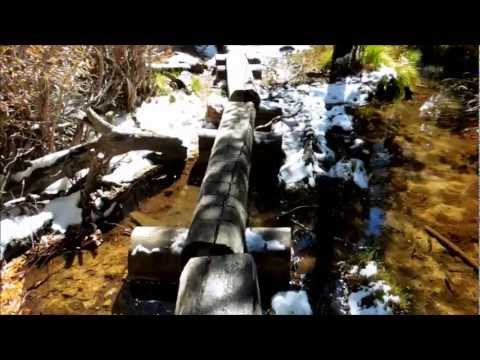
{"x": 345, "y": 60}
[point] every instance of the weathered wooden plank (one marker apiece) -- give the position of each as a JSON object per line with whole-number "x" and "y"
{"x": 219, "y": 285}
{"x": 240, "y": 84}
{"x": 219, "y": 221}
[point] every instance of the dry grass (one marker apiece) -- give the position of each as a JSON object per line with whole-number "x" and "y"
{"x": 43, "y": 89}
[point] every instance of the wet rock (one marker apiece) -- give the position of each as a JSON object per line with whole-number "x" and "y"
{"x": 387, "y": 89}
{"x": 408, "y": 93}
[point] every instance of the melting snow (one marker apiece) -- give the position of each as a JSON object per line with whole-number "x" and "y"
{"x": 65, "y": 211}
{"x": 309, "y": 103}
{"x": 379, "y": 305}
{"x": 291, "y": 303}
{"x": 374, "y": 299}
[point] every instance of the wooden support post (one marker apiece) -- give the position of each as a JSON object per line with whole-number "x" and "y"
{"x": 153, "y": 254}
{"x": 272, "y": 254}
{"x": 219, "y": 285}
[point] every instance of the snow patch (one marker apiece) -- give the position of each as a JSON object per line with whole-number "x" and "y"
{"x": 369, "y": 270}
{"x": 64, "y": 211}
{"x": 142, "y": 249}
{"x": 179, "y": 241}
{"x": 374, "y": 299}
{"x": 291, "y": 303}
{"x": 64, "y": 184}
{"x": 182, "y": 118}
{"x": 353, "y": 169}
{"x": 128, "y": 167}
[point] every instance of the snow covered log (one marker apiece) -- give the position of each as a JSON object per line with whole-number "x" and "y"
{"x": 46, "y": 170}
{"x": 219, "y": 221}
{"x": 240, "y": 79}
{"x": 219, "y": 285}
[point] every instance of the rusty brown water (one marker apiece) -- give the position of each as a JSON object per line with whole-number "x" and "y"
{"x": 435, "y": 185}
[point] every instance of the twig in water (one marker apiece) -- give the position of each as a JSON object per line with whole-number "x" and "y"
{"x": 301, "y": 225}
{"x": 453, "y": 248}
{"x": 299, "y": 208}
{"x": 279, "y": 118}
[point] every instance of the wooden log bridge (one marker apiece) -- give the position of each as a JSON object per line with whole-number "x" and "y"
{"x": 215, "y": 270}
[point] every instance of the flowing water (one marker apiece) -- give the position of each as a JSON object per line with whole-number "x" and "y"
{"x": 435, "y": 184}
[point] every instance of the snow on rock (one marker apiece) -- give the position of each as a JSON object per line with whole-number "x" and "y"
{"x": 353, "y": 169}
{"x": 374, "y": 299}
{"x": 291, "y": 303}
{"x": 256, "y": 243}
{"x": 142, "y": 249}
{"x": 369, "y": 270}
{"x": 177, "y": 115}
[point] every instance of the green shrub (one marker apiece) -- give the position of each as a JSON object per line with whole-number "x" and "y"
{"x": 162, "y": 86}
{"x": 315, "y": 59}
{"x": 401, "y": 58}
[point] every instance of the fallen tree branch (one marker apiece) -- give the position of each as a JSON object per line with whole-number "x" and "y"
{"x": 299, "y": 208}
{"x": 98, "y": 123}
{"x": 50, "y": 168}
{"x": 278, "y": 118}
{"x": 452, "y": 247}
